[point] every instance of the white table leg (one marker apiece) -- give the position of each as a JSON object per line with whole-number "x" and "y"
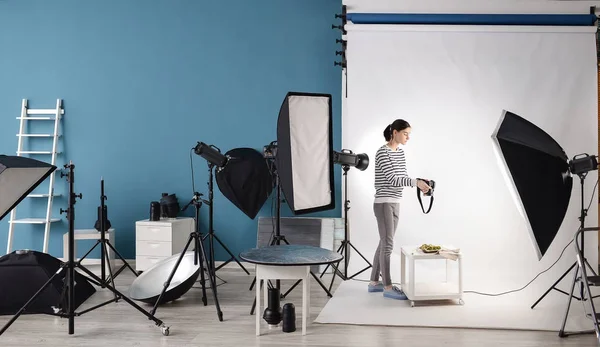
{"x": 257, "y": 309}
{"x": 402, "y": 271}
{"x": 411, "y": 276}
{"x": 304, "y": 302}
{"x": 460, "y": 279}
{"x": 308, "y": 282}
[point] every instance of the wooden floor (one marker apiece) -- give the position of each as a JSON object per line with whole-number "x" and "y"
{"x": 192, "y": 324}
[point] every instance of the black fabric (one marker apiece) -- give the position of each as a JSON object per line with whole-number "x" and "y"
{"x": 22, "y": 275}
{"x": 246, "y": 180}
{"x": 13, "y": 162}
{"x": 540, "y": 171}
{"x": 285, "y": 166}
{"x": 283, "y": 159}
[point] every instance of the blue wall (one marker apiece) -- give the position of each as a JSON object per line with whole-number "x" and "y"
{"x": 143, "y": 81}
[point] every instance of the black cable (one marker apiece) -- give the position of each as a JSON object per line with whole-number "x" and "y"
{"x": 192, "y": 167}
{"x": 538, "y": 275}
{"x": 561, "y": 254}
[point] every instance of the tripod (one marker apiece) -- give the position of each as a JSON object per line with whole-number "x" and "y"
{"x": 197, "y": 237}
{"x": 70, "y": 266}
{"x": 276, "y": 240}
{"x": 103, "y": 242}
{"x": 583, "y": 259}
{"x": 211, "y": 233}
{"x": 343, "y": 249}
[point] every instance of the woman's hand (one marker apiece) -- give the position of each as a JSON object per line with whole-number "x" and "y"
{"x": 423, "y": 186}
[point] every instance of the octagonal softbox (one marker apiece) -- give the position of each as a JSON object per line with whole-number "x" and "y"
{"x": 538, "y": 172}
{"x": 246, "y": 180}
{"x": 304, "y": 150}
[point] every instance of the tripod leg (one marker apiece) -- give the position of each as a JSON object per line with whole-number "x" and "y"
{"x": 33, "y": 298}
{"x": 340, "y": 248}
{"x": 125, "y": 263}
{"x": 252, "y": 284}
{"x": 150, "y": 316}
{"x": 213, "y": 285}
{"x": 200, "y": 262}
{"x": 254, "y": 303}
{"x": 561, "y": 333}
{"x": 554, "y": 285}
{"x": 111, "y": 278}
{"x": 168, "y": 282}
{"x": 333, "y": 276}
{"x": 321, "y": 284}
{"x": 232, "y": 256}
{"x": 365, "y": 259}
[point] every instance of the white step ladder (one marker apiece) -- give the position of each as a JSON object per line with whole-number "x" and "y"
{"x": 28, "y": 115}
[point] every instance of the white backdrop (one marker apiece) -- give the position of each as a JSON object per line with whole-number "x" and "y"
{"x": 451, "y": 84}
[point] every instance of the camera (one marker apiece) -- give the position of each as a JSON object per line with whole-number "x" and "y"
{"x": 430, "y": 183}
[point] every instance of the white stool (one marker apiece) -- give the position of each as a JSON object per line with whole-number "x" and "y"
{"x": 273, "y": 272}
{"x": 428, "y": 291}
{"x": 89, "y": 234}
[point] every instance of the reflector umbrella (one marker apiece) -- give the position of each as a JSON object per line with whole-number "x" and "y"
{"x": 539, "y": 173}
{"x": 246, "y": 180}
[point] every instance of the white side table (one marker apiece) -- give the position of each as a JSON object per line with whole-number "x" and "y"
{"x": 287, "y": 262}
{"x": 429, "y": 291}
{"x": 90, "y": 234}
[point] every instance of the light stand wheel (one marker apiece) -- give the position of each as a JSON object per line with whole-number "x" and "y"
{"x": 165, "y": 330}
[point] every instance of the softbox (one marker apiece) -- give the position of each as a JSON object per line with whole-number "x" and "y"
{"x": 23, "y": 273}
{"x": 304, "y": 149}
{"x": 538, "y": 171}
{"x": 19, "y": 176}
{"x": 246, "y": 180}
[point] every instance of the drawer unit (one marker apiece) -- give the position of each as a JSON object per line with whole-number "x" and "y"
{"x": 158, "y": 240}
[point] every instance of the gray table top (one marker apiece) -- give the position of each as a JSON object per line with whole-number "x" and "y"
{"x": 287, "y": 255}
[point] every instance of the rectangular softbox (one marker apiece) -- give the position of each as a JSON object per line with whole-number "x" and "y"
{"x": 18, "y": 177}
{"x": 304, "y": 149}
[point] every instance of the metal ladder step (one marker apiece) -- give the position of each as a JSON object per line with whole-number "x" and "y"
{"x": 36, "y": 118}
{"x": 33, "y": 220}
{"x": 43, "y": 195}
{"x": 37, "y": 135}
{"x": 43, "y": 111}
{"x": 36, "y": 152}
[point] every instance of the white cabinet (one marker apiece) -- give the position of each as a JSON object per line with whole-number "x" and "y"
{"x": 158, "y": 240}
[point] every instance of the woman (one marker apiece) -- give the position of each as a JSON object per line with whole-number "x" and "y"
{"x": 390, "y": 179}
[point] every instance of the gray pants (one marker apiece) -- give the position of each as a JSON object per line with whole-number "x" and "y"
{"x": 387, "y": 222}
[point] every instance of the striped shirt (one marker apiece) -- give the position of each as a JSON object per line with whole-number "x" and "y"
{"x": 390, "y": 175}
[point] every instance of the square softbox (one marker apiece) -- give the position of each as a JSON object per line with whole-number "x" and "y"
{"x": 304, "y": 149}
{"x": 18, "y": 177}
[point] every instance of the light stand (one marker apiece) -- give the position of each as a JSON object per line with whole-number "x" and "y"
{"x": 582, "y": 216}
{"x": 211, "y": 233}
{"x": 579, "y": 265}
{"x": 213, "y": 156}
{"x": 199, "y": 257}
{"x": 583, "y": 280}
{"x": 276, "y": 240}
{"x": 343, "y": 249}
{"x": 70, "y": 276}
{"x": 104, "y": 243}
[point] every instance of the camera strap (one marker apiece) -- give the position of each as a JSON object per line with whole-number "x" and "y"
{"x": 421, "y": 202}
